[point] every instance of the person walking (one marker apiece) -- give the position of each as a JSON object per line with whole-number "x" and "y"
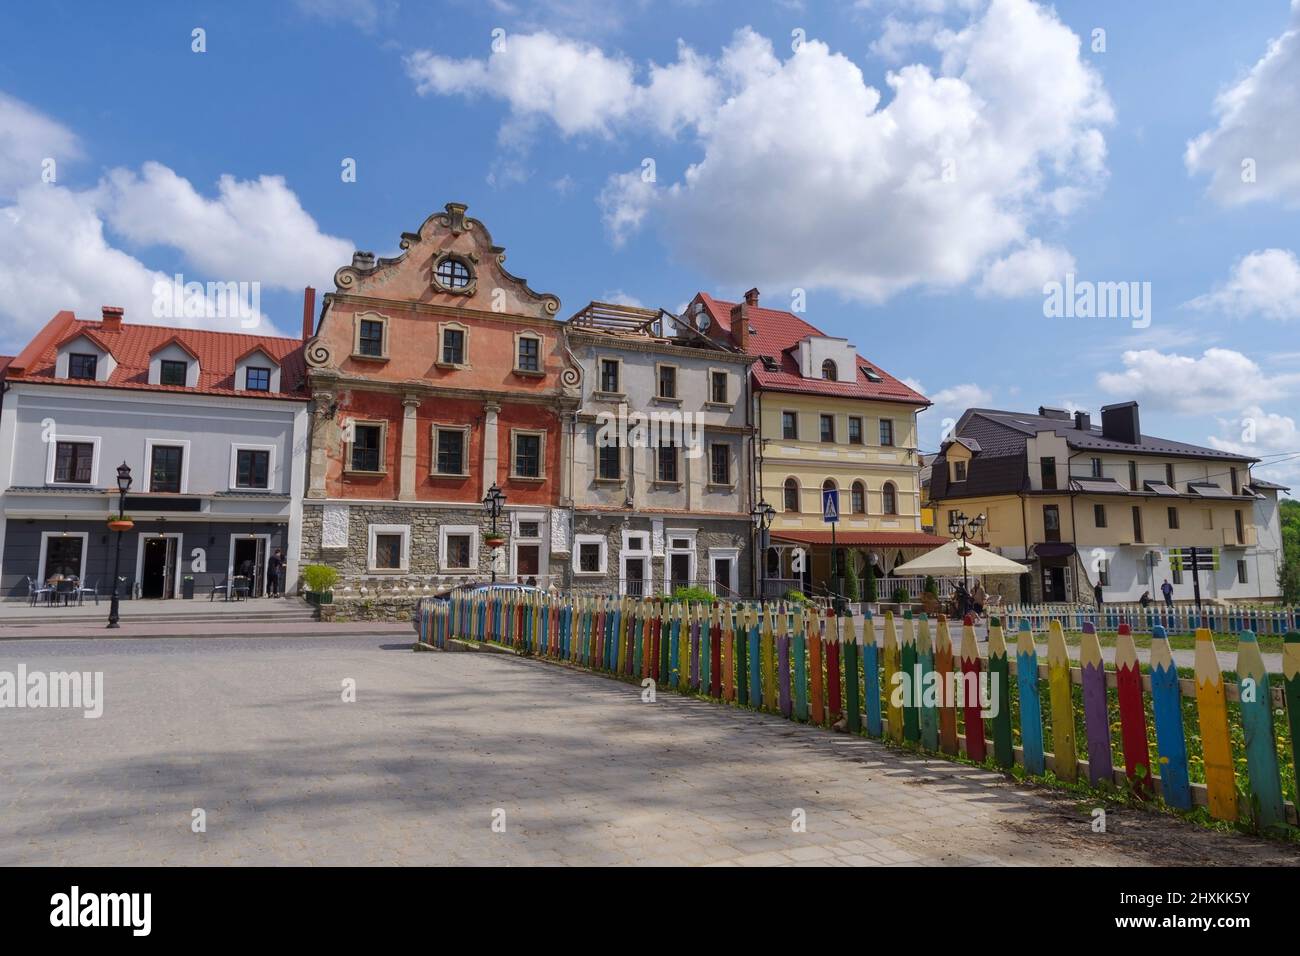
{"x": 274, "y": 566}
{"x": 1167, "y": 590}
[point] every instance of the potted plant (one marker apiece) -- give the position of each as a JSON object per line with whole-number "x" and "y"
{"x": 494, "y": 539}
{"x": 187, "y": 587}
{"x": 320, "y": 580}
{"x": 120, "y": 523}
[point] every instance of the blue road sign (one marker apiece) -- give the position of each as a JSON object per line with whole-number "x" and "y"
{"x": 830, "y": 505}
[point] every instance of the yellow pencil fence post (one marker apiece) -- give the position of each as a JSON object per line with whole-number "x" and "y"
{"x": 1216, "y": 742}
{"x": 1062, "y": 704}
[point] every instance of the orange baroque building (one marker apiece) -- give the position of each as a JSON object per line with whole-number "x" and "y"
{"x": 435, "y": 375}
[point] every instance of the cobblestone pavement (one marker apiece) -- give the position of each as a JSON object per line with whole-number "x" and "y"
{"x": 255, "y": 732}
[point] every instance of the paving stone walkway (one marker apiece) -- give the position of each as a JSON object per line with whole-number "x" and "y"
{"x": 437, "y": 746}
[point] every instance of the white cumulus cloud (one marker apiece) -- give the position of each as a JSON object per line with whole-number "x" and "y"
{"x": 1265, "y": 282}
{"x": 1218, "y": 380}
{"x": 1025, "y": 271}
{"x": 1258, "y": 124}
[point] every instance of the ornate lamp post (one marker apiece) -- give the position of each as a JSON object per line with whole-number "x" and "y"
{"x": 120, "y": 525}
{"x": 494, "y": 501}
{"x": 762, "y": 515}
{"x": 967, "y": 529}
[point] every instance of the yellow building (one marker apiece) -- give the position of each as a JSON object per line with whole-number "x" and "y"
{"x": 827, "y": 418}
{"x": 1083, "y": 505}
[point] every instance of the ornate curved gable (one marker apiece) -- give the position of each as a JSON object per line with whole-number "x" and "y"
{"x": 450, "y": 262}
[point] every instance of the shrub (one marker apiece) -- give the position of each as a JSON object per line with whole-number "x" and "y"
{"x": 852, "y": 589}
{"x": 901, "y": 596}
{"x": 320, "y": 577}
{"x": 869, "y": 589}
{"x": 694, "y": 595}
{"x": 931, "y": 586}
{"x": 796, "y": 597}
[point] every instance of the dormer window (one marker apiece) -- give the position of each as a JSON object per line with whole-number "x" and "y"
{"x": 829, "y": 371}
{"x": 871, "y": 374}
{"x": 83, "y": 365}
{"x": 257, "y": 379}
{"x": 173, "y": 372}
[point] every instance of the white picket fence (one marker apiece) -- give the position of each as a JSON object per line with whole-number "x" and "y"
{"x": 1180, "y": 619}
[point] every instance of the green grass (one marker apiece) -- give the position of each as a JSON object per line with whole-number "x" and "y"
{"x": 1268, "y": 643}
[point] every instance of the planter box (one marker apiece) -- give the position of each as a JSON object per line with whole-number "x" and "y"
{"x": 187, "y": 589}
{"x": 319, "y": 597}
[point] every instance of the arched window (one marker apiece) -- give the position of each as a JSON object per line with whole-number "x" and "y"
{"x": 828, "y": 484}
{"x": 859, "y": 498}
{"x": 791, "y": 495}
{"x": 829, "y": 371}
{"x": 889, "y": 499}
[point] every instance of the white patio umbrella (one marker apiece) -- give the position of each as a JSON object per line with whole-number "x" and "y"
{"x": 944, "y": 560}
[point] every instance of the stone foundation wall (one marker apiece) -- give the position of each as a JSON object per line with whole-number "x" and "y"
{"x": 372, "y": 608}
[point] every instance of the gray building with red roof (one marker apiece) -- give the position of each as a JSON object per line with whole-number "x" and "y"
{"x": 213, "y": 427}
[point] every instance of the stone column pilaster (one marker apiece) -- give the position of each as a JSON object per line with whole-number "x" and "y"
{"x": 406, "y": 477}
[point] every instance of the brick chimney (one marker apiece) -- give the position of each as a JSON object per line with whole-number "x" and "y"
{"x": 308, "y": 313}
{"x": 740, "y": 315}
{"x": 112, "y": 318}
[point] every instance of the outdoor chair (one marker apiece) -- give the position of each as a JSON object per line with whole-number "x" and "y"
{"x": 38, "y": 592}
{"x": 222, "y": 588}
{"x": 239, "y": 587}
{"x": 65, "y": 590}
{"x": 81, "y": 592}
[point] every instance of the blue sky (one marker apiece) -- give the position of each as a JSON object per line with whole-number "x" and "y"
{"x": 822, "y": 170}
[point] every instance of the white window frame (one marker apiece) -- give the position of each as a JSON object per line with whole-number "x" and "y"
{"x": 676, "y": 397}
{"x": 372, "y": 534}
{"x": 39, "y": 576}
{"x": 464, "y": 330}
{"x": 149, "y": 444}
{"x": 230, "y": 559}
{"x": 670, "y": 550}
{"x": 578, "y": 541}
{"x": 474, "y": 532}
{"x": 597, "y": 386}
{"x": 626, "y": 551}
{"x": 541, "y": 353}
{"x": 713, "y": 402}
{"x": 360, "y": 317}
{"x": 515, "y": 434}
{"x": 734, "y": 555}
{"x": 52, "y": 456}
{"x": 464, "y": 452}
{"x": 235, "y": 449}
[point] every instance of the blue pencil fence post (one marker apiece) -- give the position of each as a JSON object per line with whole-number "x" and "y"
{"x": 1031, "y": 706}
{"x": 871, "y": 676}
{"x": 1167, "y": 708}
{"x": 1261, "y": 741}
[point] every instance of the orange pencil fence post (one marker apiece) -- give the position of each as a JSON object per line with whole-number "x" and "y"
{"x": 1216, "y": 745}
{"x": 728, "y": 644}
{"x": 832, "y": 668}
{"x": 943, "y": 663}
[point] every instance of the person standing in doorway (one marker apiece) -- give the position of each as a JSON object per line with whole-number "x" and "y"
{"x": 1096, "y": 593}
{"x": 274, "y": 566}
{"x": 1167, "y": 590}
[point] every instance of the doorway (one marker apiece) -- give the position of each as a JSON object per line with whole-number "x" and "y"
{"x": 248, "y": 559}
{"x": 528, "y": 562}
{"x": 1054, "y": 585}
{"x": 679, "y": 571}
{"x": 158, "y": 567}
{"x": 722, "y": 568}
{"x": 634, "y": 576}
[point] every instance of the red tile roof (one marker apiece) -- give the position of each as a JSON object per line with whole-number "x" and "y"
{"x": 132, "y": 346}
{"x": 899, "y": 539}
{"x": 776, "y": 333}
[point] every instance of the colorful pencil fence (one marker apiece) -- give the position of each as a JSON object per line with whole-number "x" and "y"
{"x": 1005, "y": 706}
{"x": 1178, "y": 619}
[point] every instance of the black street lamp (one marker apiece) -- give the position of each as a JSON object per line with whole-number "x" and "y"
{"x": 762, "y": 514}
{"x": 967, "y": 529}
{"x": 494, "y": 500}
{"x": 123, "y": 486}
